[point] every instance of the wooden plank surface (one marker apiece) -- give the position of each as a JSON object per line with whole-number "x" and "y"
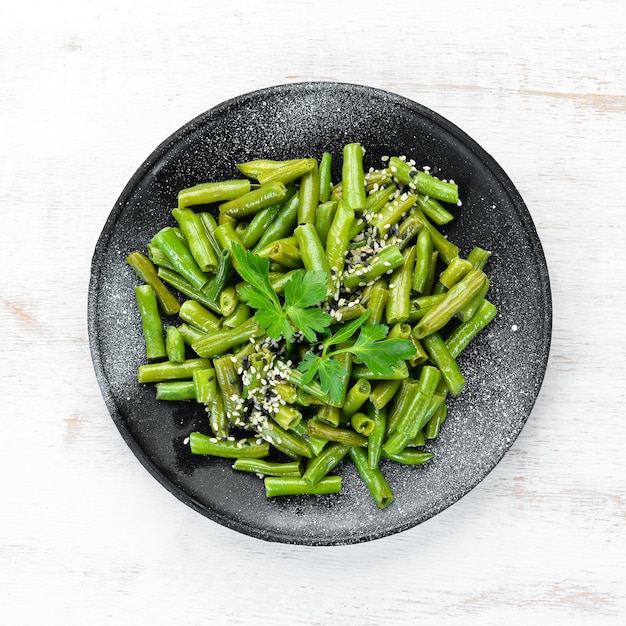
{"x": 88, "y": 91}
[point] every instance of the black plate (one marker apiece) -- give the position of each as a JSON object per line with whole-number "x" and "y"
{"x": 504, "y": 366}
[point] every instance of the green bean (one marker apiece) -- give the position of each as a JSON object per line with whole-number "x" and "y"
{"x": 324, "y": 217}
{"x": 384, "y": 261}
{"x": 200, "y": 443}
{"x": 467, "y": 312}
{"x": 189, "y": 333}
{"x": 353, "y": 177}
{"x": 399, "y": 300}
{"x": 219, "y": 342}
{"x": 410, "y": 226}
{"x": 198, "y": 316}
{"x": 326, "y": 461}
{"x": 422, "y": 304}
{"x": 151, "y": 325}
{"x": 431, "y": 274}
{"x": 423, "y": 259}
{"x": 287, "y": 416}
{"x": 176, "y": 390}
{"x": 420, "y": 438}
{"x": 399, "y": 331}
{"x": 292, "y": 486}
{"x": 174, "y": 345}
{"x": 260, "y": 167}
{"x": 373, "y": 478}
{"x": 278, "y": 279}
{"x": 362, "y": 423}
{"x": 288, "y": 172}
{"x": 383, "y": 393}
{"x": 376, "y": 436}
{"x": 455, "y": 299}
{"x": 221, "y": 278}
{"x": 285, "y": 254}
{"x": 227, "y": 236}
{"x": 373, "y": 204}
{"x": 376, "y": 178}
{"x": 339, "y": 237}
{"x": 222, "y": 219}
{"x": 180, "y": 257}
{"x": 434, "y": 210}
{"x": 409, "y": 456}
{"x": 228, "y": 300}
{"x": 255, "y": 200}
{"x": 356, "y": 398}
{"x": 312, "y": 251}
{"x": 393, "y": 212}
{"x": 341, "y": 435}
{"x": 461, "y": 336}
{"x": 420, "y": 355}
{"x": 325, "y": 173}
{"x": 146, "y": 272}
{"x": 259, "y": 224}
{"x": 210, "y": 224}
{"x": 439, "y": 354}
{"x": 329, "y": 414}
{"x": 205, "y": 385}
{"x": 230, "y": 385}
{"x": 156, "y": 257}
{"x": 401, "y": 401}
{"x": 309, "y": 195}
{"x": 447, "y": 250}
{"x": 177, "y": 281}
{"x": 346, "y": 312}
{"x": 377, "y": 302}
{"x": 282, "y": 226}
{"x": 424, "y": 183}
{"x": 478, "y": 257}
{"x": 209, "y": 193}
{"x": 218, "y": 419}
{"x": 241, "y": 314}
{"x": 378, "y": 199}
{"x": 420, "y": 411}
{"x": 287, "y": 441}
{"x": 434, "y": 424}
{"x": 455, "y": 271}
{"x": 316, "y": 445}
{"x": 166, "y": 370}
{"x": 417, "y": 402}
{"x": 195, "y": 234}
{"x": 267, "y": 468}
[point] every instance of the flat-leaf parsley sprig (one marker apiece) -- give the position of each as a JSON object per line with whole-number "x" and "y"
{"x": 379, "y": 354}
{"x": 301, "y": 295}
{"x": 300, "y": 312}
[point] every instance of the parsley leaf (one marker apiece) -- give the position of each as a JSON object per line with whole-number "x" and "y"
{"x": 380, "y": 355}
{"x": 301, "y": 294}
{"x": 310, "y": 321}
{"x": 308, "y": 366}
{"x": 347, "y": 330}
{"x": 331, "y": 374}
{"x": 255, "y": 270}
{"x": 305, "y": 291}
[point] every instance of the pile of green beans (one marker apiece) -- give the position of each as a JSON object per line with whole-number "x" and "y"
{"x": 378, "y": 236}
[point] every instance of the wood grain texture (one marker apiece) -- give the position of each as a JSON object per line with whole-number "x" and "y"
{"x": 89, "y": 90}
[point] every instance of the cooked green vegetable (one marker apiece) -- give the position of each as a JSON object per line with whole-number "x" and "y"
{"x": 326, "y": 319}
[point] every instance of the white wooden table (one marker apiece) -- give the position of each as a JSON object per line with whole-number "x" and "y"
{"x": 87, "y": 536}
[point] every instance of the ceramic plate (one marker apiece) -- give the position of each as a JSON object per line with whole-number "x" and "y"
{"x": 504, "y": 366}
